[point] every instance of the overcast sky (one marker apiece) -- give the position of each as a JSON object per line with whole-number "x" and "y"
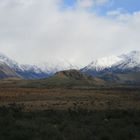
{"x": 74, "y": 30}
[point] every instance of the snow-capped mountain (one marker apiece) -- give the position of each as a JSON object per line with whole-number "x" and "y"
{"x": 11, "y": 63}
{"x": 42, "y": 70}
{"x": 24, "y": 71}
{"x": 59, "y": 65}
{"x": 124, "y": 62}
{"x": 102, "y": 63}
{"x": 128, "y": 62}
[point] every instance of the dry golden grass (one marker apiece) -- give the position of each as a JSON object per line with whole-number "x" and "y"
{"x": 62, "y": 99}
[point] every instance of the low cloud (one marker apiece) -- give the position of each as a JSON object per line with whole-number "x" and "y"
{"x": 35, "y": 31}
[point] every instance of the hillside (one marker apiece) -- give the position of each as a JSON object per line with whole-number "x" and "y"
{"x": 7, "y": 72}
{"x": 122, "y": 78}
{"x": 69, "y": 78}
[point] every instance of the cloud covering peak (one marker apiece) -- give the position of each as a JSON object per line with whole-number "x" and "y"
{"x": 34, "y": 31}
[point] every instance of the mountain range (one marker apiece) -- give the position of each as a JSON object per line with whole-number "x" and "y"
{"x": 25, "y": 71}
{"x": 122, "y": 63}
{"x": 124, "y": 68}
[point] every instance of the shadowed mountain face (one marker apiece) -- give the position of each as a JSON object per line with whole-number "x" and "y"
{"x": 122, "y": 78}
{"x": 73, "y": 76}
{"x": 6, "y": 72}
{"x": 62, "y": 79}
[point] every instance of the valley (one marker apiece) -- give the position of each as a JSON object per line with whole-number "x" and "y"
{"x": 97, "y": 102}
{"x": 69, "y": 89}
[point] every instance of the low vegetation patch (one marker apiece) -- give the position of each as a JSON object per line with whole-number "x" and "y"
{"x": 71, "y": 124}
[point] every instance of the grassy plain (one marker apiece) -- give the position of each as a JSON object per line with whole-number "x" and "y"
{"x": 62, "y": 99}
{"x": 77, "y": 113}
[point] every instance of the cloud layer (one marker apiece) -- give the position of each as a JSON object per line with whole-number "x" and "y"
{"x": 35, "y": 31}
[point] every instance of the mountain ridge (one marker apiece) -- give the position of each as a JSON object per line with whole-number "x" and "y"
{"x": 124, "y": 62}
{"x": 32, "y": 71}
{"x": 108, "y": 68}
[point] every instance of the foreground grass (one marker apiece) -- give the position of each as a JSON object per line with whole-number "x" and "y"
{"x": 71, "y": 124}
{"x": 107, "y": 113}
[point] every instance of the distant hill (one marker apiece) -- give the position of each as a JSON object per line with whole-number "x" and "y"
{"x": 68, "y": 78}
{"x": 73, "y": 78}
{"x": 122, "y": 78}
{"x": 62, "y": 79}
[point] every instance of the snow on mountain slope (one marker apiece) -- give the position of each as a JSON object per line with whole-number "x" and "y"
{"x": 5, "y": 60}
{"x": 130, "y": 61}
{"x": 102, "y": 63}
{"x": 53, "y": 67}
{"x": 7, "y": 72}
{"x": 125, "y": 62}
{"x": 42, "y": 70}
{"x": 25, "y": 71}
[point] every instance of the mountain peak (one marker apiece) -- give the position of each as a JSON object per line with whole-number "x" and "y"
{"x": 129, "y": 61}
{"x": 42, "y": 70}
{"x": 102, "y": 63}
